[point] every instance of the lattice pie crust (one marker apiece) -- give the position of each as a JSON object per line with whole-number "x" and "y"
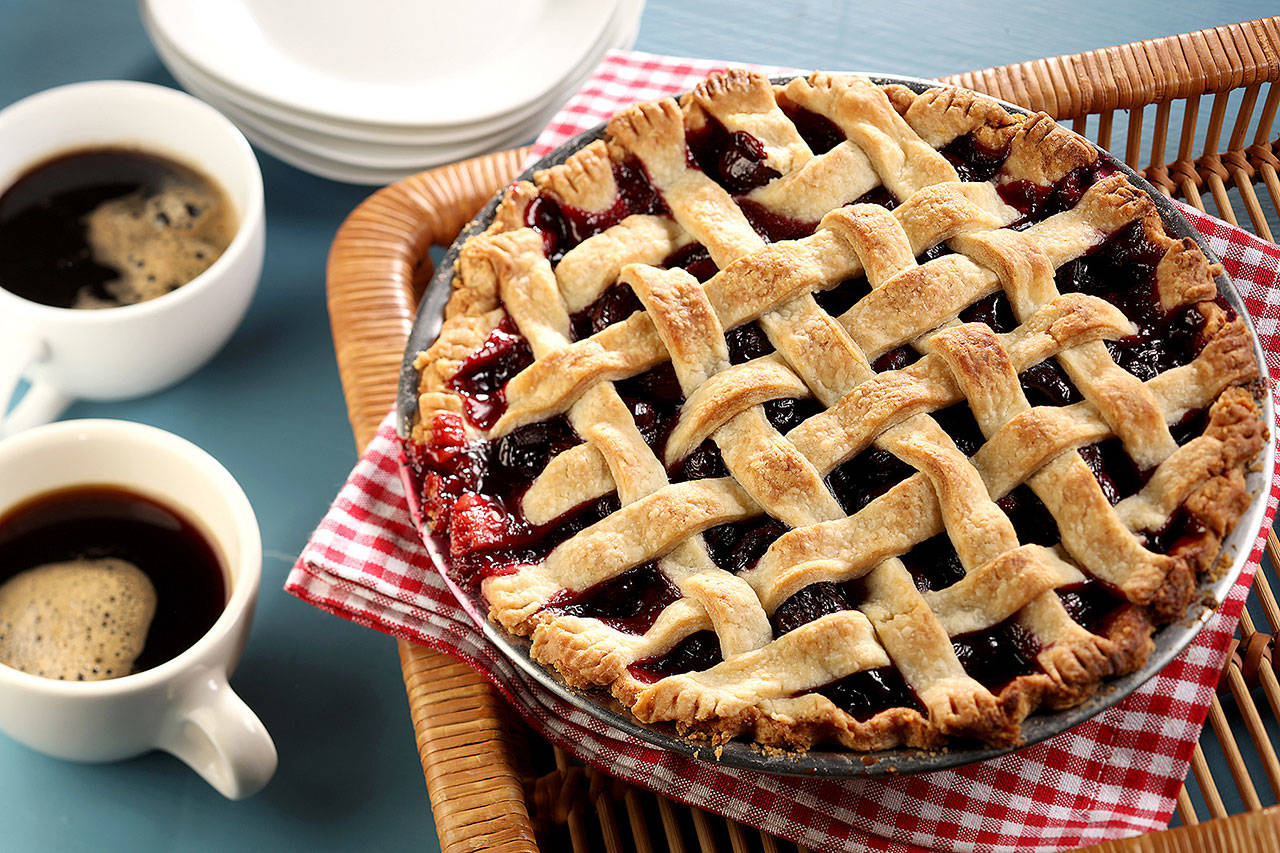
{"x": 771, "y": 684}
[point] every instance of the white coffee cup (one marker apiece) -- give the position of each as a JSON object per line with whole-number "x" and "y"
{"x": 184, "y": 705}
{"x": 115, "y": 353}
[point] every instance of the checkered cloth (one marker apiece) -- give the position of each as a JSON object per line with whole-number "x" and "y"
{"x": 1115, "y": 775}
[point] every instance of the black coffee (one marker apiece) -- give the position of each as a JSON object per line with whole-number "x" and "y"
{"x": 104, "y": 227}
{"x": 81, "y": 559}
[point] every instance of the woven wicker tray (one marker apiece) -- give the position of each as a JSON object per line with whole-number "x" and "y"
{"x": 494, "y": 785}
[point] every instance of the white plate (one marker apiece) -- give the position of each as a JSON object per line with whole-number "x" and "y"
{"x": 340, "y": 139}
{"x": 340, "y": 159}
{"x": 377, "y": 163}
{"x": 209, "y": 90}
{"x": 403, "y": 63}
{"x": 321, "y": 166}
{"x": 354, "y": 131}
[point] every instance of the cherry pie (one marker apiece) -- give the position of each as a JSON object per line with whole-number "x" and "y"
{"x": 830, "y": 411}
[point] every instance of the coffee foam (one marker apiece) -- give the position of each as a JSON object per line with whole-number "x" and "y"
{"x": 158, "y": 241}
{"x": 82, "y": 620}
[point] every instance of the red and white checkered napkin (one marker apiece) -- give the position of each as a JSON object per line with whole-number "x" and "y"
{"x": 1115, "y": 775}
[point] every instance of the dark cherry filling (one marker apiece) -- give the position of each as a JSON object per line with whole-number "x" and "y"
{"x": 1089, "y": 603}
{"x": 563, "y": 226}
{"x": 480, "y": 523}
{"x": 998, "y": 655}
{"x": 1047, "y": 384}
{"x": 994, "y": 310}
{"x": 472, "y": 492}
{"x": 448, "y": 466}
{"x": 933, "y": 563}
{"x": 1190, "y": 426}
{"x": 843, "y": 296}
{"x": 813, "y": 602}
{"x": 864, "y": 694}
{"x": 1031, "y": 519}
{"x": 702, "y": 464}
{"x": 1146, "y": 356}
{"x": 1181, "y": 527}
{"x": 482, "y": 378}
{"x": 1122, "y": 271}
{"x": 772, "y": 226}
{"x": 629, "y": 602}
{"x": 737, "y": 546}
{"x": 655, "y": 420}
{"x": 616, "y": 304}
{"x": 696, "y": 652}
{"x": 1037, "y": 202}
{"x": 746, "y": 342}
{"x": 654, "y": 399}
{"x": 973, "y": 161}
{"x": 896, "y": 359}
{"x": 1113, "y": 469}
{"x": 880, "y": 195}
{"x": 656, "y": 384}
{"x": 490, "y": 536}
{"x": 788, "y": 413}
{"x": 957, "y": 421}
{"x": 693, "y": 259}
{"x": 519, "y": 454}
{"x": 865, "y": 477}
{"x": 734, "y": 160}
{"x": 818, "y": 132}
{"x": 1221, "y": 302}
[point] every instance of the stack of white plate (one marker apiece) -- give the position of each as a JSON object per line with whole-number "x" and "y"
{"x": 372, "y": 91}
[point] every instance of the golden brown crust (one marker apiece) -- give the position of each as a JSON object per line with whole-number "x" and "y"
{"x": 943, "y": 114}
{"x": 1202, "y": 488}
{"x": 737, "y": 90}
{"x": 584, "y": 180}
{"x": 653, "y": 132}
{"x": 510, "y": 215}
{"x": 1184, "y": 274}
{"x": 745, "y": 101}
{"x": 1043, "y": 151}
{"x": 461, "y": 335}
{"x": 1238, "y": 433}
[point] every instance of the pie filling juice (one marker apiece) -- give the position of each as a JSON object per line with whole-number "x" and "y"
{"x": 474, "y": 489}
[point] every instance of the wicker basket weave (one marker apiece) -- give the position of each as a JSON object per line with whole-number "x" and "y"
{"x": 493, "y": 785}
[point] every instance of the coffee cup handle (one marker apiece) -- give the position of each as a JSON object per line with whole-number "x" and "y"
{"x": 42, "y": 403}
{"x": 217, "y": 735}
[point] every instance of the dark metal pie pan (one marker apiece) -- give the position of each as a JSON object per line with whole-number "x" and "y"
{"x": 826, "y": 762}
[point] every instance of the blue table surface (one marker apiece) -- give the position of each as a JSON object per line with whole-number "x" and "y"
{"x": 270, "y": 407}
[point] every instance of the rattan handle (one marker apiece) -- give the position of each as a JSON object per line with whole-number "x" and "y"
{"x": 1134, "y": 75}
{"x": 378, "y": 261}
